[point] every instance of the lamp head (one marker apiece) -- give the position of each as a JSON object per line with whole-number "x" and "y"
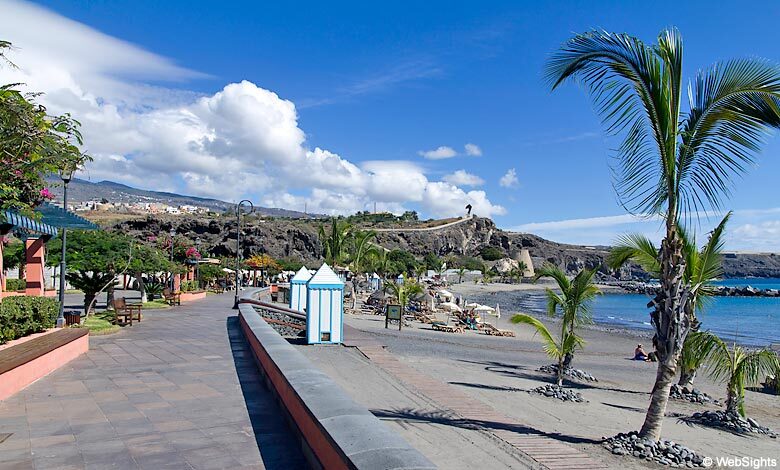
{"x": 66, "y": 173}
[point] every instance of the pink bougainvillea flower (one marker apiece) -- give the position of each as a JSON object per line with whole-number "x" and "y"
{"x": 46, "y": 194}
{"x": 192, "y": 252}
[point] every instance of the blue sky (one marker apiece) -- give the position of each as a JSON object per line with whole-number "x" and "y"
{"x": 385, "y": 82}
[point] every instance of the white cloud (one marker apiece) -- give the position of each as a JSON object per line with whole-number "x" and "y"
{"x": 439, "y": 153}
{"x": 463, "y": 178}
{"x": 473, "y": 150}
{"x": 509, "y": 180}
{"x": 240, "y": 141}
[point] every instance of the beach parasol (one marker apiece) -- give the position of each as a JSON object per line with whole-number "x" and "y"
{"x": 498, "y": 311}
{"x": 450, "y": 307}
{"x": 445, "y": 293}
{"x": 484, "y": 308}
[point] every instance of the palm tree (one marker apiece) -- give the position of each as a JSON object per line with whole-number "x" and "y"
{"x": 702, "y": 268}
{"x": 573, "y": 303}
{"x": 419, "y": 271}
{"x": 521, "y": 268}
{"x": 402, "y": 292}
{"x": 461, "y": 274}
{"x": 557, "y": 348}
{"x": 361, "y": 240}
{"x": 379, "y": 261}
{"x": 671, "y": 161}
{"x": 736, "y": 366}
{"x": 334, "y": 243}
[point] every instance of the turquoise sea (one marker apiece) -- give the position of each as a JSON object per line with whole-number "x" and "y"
{"x": 752, "y": 321}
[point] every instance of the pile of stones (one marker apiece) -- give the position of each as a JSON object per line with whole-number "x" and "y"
{"x": 693, "y": 396}
{"x": 730, "y": 421}
{"x": 663, "y": 452}
{"x": 569, "y": 371}
{"x": 289, "y": 328}
{"x": 554, "y": 391}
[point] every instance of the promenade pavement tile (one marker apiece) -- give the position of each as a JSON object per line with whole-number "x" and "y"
{"x": 179, "y": 390}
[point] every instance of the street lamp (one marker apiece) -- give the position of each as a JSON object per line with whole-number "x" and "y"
{"x": 172, "y": 233}
{"x": 197, "y": 262}
{"x": 66, "y": 174}
{"x": 238, "y": 244}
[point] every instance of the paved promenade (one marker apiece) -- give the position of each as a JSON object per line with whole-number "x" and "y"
{"x": 178, "y": 390}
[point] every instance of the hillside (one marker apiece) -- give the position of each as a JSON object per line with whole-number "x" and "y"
{"x": 285, "y": 238}
{"x": 82, "y": 191}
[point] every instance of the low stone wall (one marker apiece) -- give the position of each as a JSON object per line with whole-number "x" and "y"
{"x": 336, "y": 432}
{"x": 190, "y": 296}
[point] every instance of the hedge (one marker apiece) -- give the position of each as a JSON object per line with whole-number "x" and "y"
{"x": 25, "y": 315}
{"x": 12, "y": 285}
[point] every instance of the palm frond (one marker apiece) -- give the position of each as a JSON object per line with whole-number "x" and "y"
{"x": 635, "y": 89}
{"x": 733, "y": 105}
{"x": 637, "y": 248}
{"x": 556, "y": 273}
{"x": 756, "y": 365}
{"x": 551, "y": 346}
{"x": 706, "y": 347}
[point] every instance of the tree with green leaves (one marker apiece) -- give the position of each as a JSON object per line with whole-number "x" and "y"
{"x": 461, "y": 274}
{"x": 672, "y": 160}
{"x": 573, "y": 302}
{"x": 335, "y": 241}
{"x": 734, "y": 365}
{"x": 702, "y": 268}
{"x": 361, "y": 247}
{"x": 521, "y": 269}
{"x": 403, "y": 292}
{"x": 94, "y": 258}
{"x": 33, "y": 144}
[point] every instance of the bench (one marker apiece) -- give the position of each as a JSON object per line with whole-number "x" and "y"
{"x": 24, "y": 363}
{"x": 125, "y": 312}
{"x": 171, "y": 298}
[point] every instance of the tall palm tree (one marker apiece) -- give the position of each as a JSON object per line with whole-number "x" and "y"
{"x": 671, "y": 161}
{"x": 573, "y": 303}
{"x": 736, "y": 366}
{"x": 334, "y": 241}
{"x": 557, "y": 348}
{"x": 702, "y": 268}
{"x": 404, "y": 291}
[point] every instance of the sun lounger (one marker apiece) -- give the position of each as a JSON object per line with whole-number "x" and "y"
{"x": 442, "y": 326}
{"x": 490, "y": 329}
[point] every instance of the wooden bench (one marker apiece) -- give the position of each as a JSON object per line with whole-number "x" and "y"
{"x": 171, "y": 298}
{"x": 124, "y": 312}
{"x": 24, "y": 363}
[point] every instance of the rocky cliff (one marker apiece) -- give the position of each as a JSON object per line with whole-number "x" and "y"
{"x": 283, "y": 238}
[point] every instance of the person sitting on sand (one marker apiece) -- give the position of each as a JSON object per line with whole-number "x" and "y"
{"x": 639, "y": 353}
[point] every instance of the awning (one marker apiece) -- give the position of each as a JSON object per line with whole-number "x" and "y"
{"x": 60, "y": 218}
{"x": 10, "y": 220}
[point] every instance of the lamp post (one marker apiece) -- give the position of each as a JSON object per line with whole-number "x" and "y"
{"x": 172, "y": 233}
{"x": 66, "y": 174}
{"x": 197, "y": 262}
{"x": 238, "y": 245}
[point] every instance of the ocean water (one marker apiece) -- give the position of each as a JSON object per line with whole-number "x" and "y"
{"x": 757, "y": 282}
{"x": 753, "y": 321}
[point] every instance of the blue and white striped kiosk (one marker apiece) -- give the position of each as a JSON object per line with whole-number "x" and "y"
{"x": 324, "y": 307}
{"x": 375, "y": 282}
{"x": 400, "y": 279}
{"x": 298, "y": 289}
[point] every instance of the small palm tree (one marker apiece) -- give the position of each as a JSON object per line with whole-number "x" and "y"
{"x": 736, "y": 366}
{"x": 404, "y": 291}
{"x": 419, "y": 271}
{"x": 461, "y": 274}
{"x": 702, "y": 268}
{"x": 521, "y": 269}
{"x": 573, "y": 303}
{"x": 557, "y": 348}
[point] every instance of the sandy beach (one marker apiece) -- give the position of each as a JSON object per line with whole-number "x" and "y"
{"x": 498, "y": 372}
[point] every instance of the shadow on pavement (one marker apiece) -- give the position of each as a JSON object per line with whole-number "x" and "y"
{"x": 279, "y": 447}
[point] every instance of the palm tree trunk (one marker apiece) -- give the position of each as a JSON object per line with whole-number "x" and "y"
{"x": 559, "y": 379}
{"x": 671, "y": 318}
{"x": 732, "y": 399}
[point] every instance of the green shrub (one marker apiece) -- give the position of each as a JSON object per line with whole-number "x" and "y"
{"x": 189, "y": 286}
{"x": 23, "y": 315}
{"x": 491, "y": 253}
{"x": 15, "y": 284}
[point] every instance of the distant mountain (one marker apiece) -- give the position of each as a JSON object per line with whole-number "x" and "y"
{"x": 82, "y": 190}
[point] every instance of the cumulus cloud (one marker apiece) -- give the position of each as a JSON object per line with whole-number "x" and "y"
{"x": 509, "y": 180}
{"x": 439, "y": 153}
{"x": 239, "y": 141}
{"x": 473, "y": 150}
{"x": 463, "y": 178}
